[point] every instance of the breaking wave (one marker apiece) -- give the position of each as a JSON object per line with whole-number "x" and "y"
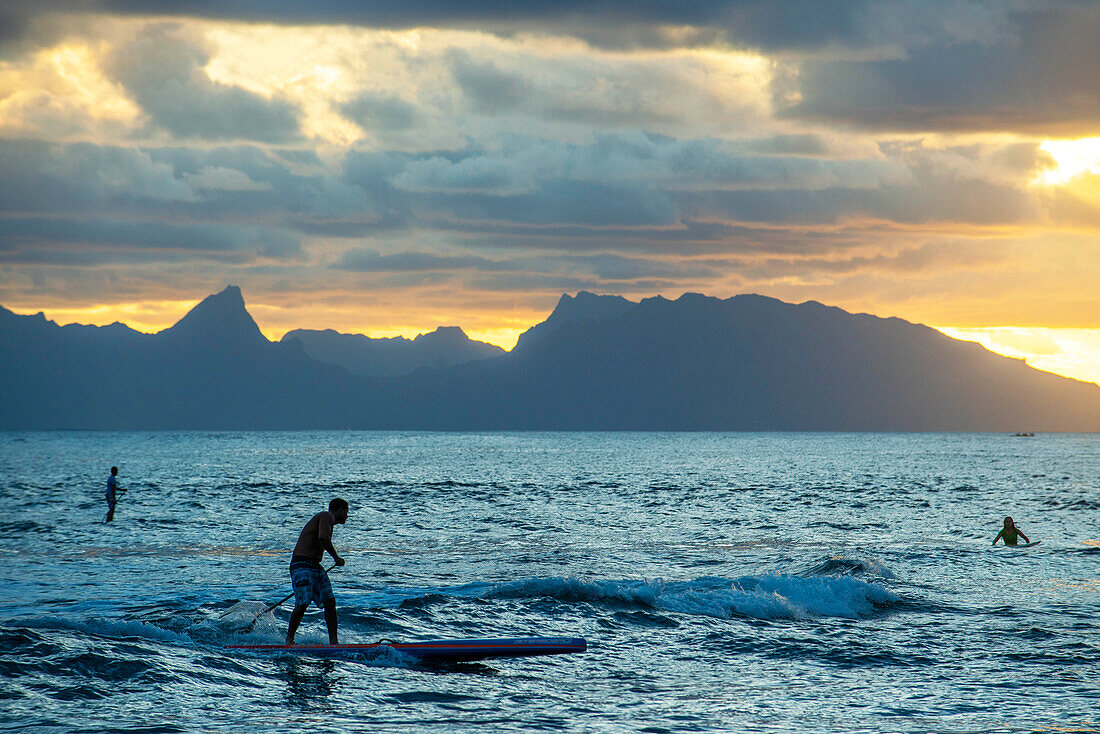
{"x": 768, "y": 596}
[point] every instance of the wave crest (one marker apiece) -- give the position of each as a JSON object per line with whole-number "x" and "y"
{"x": 770, "y": 596}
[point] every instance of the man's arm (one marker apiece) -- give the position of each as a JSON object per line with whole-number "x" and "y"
{"x": 999, "y": 536}
{"x": 1021, "y": 534}
{"x": 324, "y": 537}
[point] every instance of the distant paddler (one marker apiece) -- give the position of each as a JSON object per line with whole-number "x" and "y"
{"x": 113, "y": 493}
{"x": 1009, "y": 532}
{"x": 310, "y": 581}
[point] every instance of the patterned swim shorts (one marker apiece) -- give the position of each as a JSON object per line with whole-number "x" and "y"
{"x": 310, "y": 583}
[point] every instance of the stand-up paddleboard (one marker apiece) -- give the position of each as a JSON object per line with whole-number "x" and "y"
{"x": 449, "y": 650}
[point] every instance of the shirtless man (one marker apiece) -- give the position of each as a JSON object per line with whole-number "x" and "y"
{"x": 310, "y": 581}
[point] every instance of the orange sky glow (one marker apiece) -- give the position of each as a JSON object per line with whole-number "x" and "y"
{"x": 377, "y": 174}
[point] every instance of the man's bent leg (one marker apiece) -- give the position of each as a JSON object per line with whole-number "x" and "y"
{"x": 295, "y": 620}
{"x": 330, "y": 620}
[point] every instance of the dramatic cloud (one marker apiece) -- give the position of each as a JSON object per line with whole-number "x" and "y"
{"x": 39, "y": 177}
{"x": 1041, "y": 74}
{"x": 163, "y": 71}
{"x": 468, "y": 162}
{"x": 630, "y": 192}
{"x": 767, "y": 24}
{"x": 92, "y": 241}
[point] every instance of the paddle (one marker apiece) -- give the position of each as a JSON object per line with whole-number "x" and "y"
{"x": 272, "y": 607}
{"x": 111, "y": 509}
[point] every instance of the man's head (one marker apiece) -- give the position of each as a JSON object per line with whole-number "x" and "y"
{"x": 114, "y": 470}
{"x": 339, "y": 508}
{"x": 1008, "y": 522}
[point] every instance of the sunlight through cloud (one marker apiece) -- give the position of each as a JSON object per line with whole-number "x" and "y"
{"x": 1072, "y": 158}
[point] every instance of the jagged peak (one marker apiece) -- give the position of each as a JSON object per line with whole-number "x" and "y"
{"x": 584, "y": 306}
{"x": 589, "y": 305}
{"x": 222, "y": 318}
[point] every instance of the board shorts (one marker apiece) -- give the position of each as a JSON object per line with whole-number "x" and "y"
{"x": 310, "y": 582}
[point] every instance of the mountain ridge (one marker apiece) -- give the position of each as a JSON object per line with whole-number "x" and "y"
{"x": 747, "y": 362}
{"x": 391, "y": 356}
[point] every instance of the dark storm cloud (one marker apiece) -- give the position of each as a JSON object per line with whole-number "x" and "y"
{"x": 163, "y": 71}
{"x": 14, "y": 25}
{"x": 1015, "y": 65}
{"x": 25, "y": 25}
{"x": 617, "y": 22}
{"x": 74, "y": 241}
{"x": 1042, "y": 75}
{"x": 763, "y": 24}
{"x": 629, "y": 193}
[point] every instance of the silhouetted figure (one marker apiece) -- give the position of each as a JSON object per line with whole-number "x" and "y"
{"x": 310, "y": 581}
{"x": 112, "y": 494}
{"x": 1009, "y": 532}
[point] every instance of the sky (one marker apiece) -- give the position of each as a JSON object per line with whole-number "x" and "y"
{"x": 387, "y": 168}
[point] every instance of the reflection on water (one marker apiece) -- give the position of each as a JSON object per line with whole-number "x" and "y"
{"x": 309, "y": 683}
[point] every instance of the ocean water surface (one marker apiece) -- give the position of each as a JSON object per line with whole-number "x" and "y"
{"x": 724, "y": 581}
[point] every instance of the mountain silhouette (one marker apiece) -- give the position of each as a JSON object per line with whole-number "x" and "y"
{"x": 212, "y": 369}
{"x": 584, "y": 307}
{"x": 596, "y": 363}
{"x": 217, "y": 321}
{"x": 362, "y": 355}
{"x": 756, "y": 363}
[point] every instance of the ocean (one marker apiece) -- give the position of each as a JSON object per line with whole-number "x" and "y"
{"x": 742, "y": 582}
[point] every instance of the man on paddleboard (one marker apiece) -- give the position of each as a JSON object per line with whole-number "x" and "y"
{"x": 112, "y": 494}
{"x": 1009, "y": 532}
{"x": 310, "y": 581}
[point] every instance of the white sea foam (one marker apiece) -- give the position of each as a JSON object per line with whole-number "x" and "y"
{"x": 106, "y": 628}
{"x": 770, "y": 596}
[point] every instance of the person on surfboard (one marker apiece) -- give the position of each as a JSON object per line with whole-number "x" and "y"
{"x": 112, "y": 494}
{"x": 1009, "y": 532}
{"x": 310, "y": 581}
